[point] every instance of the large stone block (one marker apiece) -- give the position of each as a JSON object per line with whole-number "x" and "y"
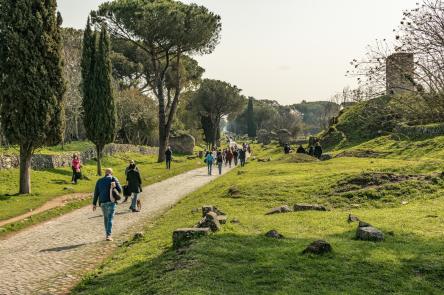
{"x": 211, "y": 221}
{"x": 183, "y": 236}
{"x": 309, "y": 207}
{"x": 183, "y": 144}
{"x": 369, "y": 233}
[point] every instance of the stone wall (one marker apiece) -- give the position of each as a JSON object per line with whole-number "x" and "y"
{"x": 40, "y": 162}
{"x": 420, "y": 131}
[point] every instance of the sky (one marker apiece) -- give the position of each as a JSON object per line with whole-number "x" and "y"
{"x": 285, "y": 50}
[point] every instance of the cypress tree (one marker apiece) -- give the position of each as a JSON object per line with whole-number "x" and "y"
{"x": 251, "y": 124}
{"x": 98, "y": 98}
{"x": 31, "y": 78}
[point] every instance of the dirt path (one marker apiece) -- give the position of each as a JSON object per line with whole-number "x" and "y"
{"x": 51, "y": 257}
{"x": 54, "y": 203}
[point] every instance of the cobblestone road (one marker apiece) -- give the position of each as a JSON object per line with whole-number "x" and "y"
{"x": 51, "y": 257}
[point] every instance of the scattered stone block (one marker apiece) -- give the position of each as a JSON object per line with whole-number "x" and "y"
{"x": 369, "y": 233}
{"x": 235, "y": 221}
{"x": 277, "y": 210}
{"x": 326, "y": 157}
{"x": 183, "y": 236}
{"x": 210, "y": 221}
{"x": 352, "y": 218}
{"x": 222, "y": 219}
{"x": 206, "y": 209}
{"x": 364, "y": 224}
{"x": 274, "y": 234}
{"x": 219, "y": 212}
{"x": 138, "y": 236}
{"x": 309, "y": 207}
{"x": 233, "y": 191}
{"x": 318, "y": 248}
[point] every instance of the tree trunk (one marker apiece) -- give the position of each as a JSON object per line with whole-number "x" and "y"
{"x": 99, "y": 160}
{"x": 25, "y": 168}
{"x": 215, "y": 132}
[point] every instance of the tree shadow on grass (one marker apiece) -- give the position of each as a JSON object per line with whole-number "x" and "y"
{"x": 236, "y": 264}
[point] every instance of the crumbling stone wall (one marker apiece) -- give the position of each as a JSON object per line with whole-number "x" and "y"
{"x": 40, "y": 162}
{"x": 400, "y": 69}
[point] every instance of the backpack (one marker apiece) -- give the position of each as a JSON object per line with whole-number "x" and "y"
{"x": 114, "y": 194}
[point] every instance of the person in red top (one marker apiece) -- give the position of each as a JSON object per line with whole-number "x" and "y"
{"x": 229, "y": 157}
{"x": 76, "y": 172}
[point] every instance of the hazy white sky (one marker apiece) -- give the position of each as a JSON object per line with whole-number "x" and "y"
{"x": 287, "y": 50}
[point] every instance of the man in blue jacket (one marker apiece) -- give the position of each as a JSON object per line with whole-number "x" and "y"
{"x": 102, "y": 194}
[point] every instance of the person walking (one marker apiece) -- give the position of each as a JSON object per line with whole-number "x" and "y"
{"x": 220, "y": 161}
{"x": 134, "y": 182}
{"x": 103, "y": 195}
{"x": 209, "y": 160}
{"x": 318, "y": 150}
{"x": 242, "y": 156}
{"x": 235, "y": 156}
{"x": 229, "y": 157}
{"x": 76, "y": 166}
{"x": 168, "y": 157}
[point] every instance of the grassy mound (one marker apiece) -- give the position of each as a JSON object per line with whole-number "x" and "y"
{"x": 297, "y": 158}
{"x": 360, "y": 122}
{"x": 241, "y": 260}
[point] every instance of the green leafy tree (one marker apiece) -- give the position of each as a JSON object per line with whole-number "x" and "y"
{"x": 31, "y": 78}
{"x": 251, "y": 124}
{"x": 165, "y": 31}
{"x": 214, "y": 100}
{"x": 98, "y": 98}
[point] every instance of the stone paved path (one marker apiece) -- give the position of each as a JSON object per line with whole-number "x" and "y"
{"x": 51, "y": 257}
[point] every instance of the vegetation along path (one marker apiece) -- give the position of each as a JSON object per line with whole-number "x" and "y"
{"x": 51, "y": 257}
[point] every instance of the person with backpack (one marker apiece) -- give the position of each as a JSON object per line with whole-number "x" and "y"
{"x": 168, "y": 157}
{"x": 134, "y": 183}
{"x": 106, "y": 194}
{"x": 300, "y": 150}
{"x": 76, "y": 166}
{"x": 220, "y": 161}
{"x": 209, "y": 161}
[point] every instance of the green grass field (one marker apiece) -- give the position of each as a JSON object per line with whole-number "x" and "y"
{"x": 240, "y": 260}
{"x": 49, "y": 184}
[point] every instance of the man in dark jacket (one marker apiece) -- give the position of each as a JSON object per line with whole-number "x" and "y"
{"x": 168, "y": 157}
{"x": 134, "y": 185}
{"x": 102, "y": 195}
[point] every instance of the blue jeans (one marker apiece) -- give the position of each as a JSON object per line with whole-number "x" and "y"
{"x": 108, "y": 210}
{"x": 134, "y": 201}
{"x": 219, "y": 165}
{"x": 210, "y": 167}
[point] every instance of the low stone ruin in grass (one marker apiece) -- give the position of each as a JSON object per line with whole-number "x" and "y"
{"x": 318, "y": 248}
{"x": 296, "y": 208}
{"x": 212, "y": 219}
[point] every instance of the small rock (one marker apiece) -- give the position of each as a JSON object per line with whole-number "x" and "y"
{"x": 364, "y": 224}
{"x": 68, "y": 188}
{"x": 233, "y": 191}
{"x": 235, "y": 221}
{"x": 326, "y": 157}
{"x": 206, "y": 209}
{"x": 274, "y": 234}
{"x": 210, "y": 221}
{"x": 309, "y": 207}
{"x": 369, "y": 233}
{"x": 318, "y": 247}
{"x": 277, "y": 210}
{"x": 404, "y": 202}
{"x": 138, "y": 236}
{"x": 222, "y": 219}
{"x": 352, "y": 218}
{"x": 355, "y": 205}
{"x": 183, "y": 236}
{"x": 432, "y": 216}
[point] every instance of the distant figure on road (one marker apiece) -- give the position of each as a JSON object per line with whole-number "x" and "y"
{"x": 134, "y": 182}
{"x": 103, "y": 194}
{"x": 220, "y": 161}
{"x": 209, "y": 160}
{"x": 301, "y": 150}
{"x": 168, "y": 157}
{"x": 76, "y": 166}
{"x": 235, "y": 155}
{"x": 242, "y": 156}
{"x": 229, "y": 157}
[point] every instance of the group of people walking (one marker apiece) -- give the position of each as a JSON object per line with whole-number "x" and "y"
{"x": 228, "y": 156}
{"x": 313, "y": 150}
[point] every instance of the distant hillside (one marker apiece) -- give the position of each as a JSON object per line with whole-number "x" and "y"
{"x": 316, "y": 114}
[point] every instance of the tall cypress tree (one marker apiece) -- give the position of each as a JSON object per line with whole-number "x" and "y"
{"x": 98, "y": 99}
{"x": 31, "y": 78}
{"x": 251, "y": 124}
